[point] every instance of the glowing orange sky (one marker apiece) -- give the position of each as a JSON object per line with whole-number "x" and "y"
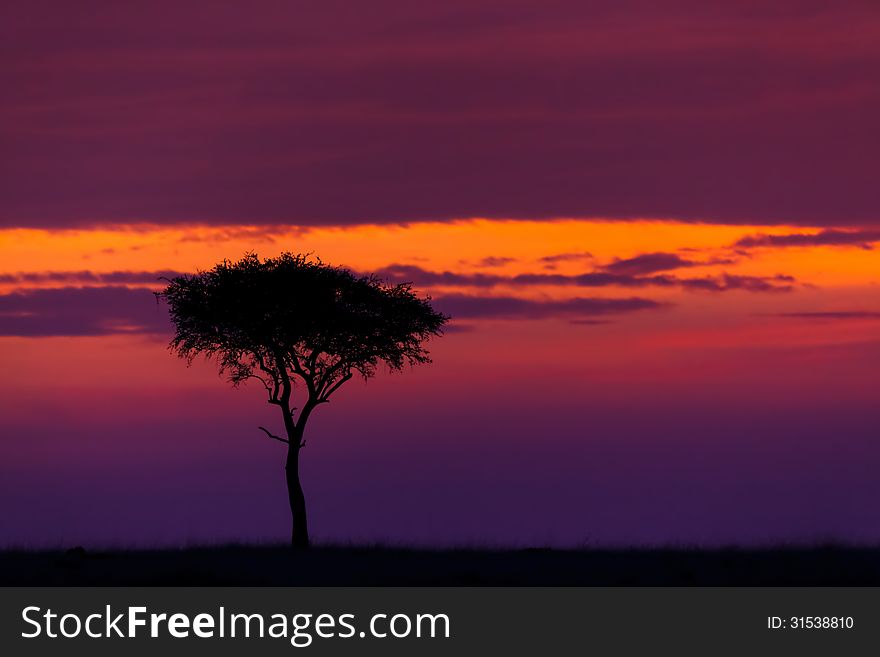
{"x": 447, "y": 246}
{"x": 827, "y": 279}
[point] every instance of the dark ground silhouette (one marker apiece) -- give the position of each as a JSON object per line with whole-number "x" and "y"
{"x": 384, "y": 566}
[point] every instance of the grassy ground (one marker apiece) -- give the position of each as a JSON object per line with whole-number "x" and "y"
{"x": 382, "y": 566}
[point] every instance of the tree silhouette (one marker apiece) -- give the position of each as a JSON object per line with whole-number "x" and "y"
{"x": 295, "y": 323}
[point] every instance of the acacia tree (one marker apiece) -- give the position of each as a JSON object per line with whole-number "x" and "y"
{"x": 301, "y": 328}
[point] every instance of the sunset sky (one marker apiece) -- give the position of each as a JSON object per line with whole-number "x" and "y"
{"x": 654, "y": 224}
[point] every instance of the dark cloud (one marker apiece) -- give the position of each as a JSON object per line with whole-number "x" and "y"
{"x": 495, "y": 261}
{"x": 98, "y": 311}
{"x": 592, "y": 279}
{"x": 489, "y": 262}
{"x": 728, "y": 282}
{"x": 649, "y": 263}
{"x": 261, "y": 234}
{"x": 858, "y": 238}
{"x": 398, "y": 273}
{"x": 474, "y": 307}
{"x": 114, "y": 309}
{"x": 89, "y": 277}
{"x": 81, "y": 311}
{"x": 551, "y": 261}
{"x": 721, "y": 283}
{"x": 339, "y": 112}
{"x": 427, "y": 278}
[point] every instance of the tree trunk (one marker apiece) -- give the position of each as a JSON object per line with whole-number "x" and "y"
{"x": 299, "y": 537}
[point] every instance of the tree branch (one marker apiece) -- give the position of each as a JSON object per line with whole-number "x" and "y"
{"x": 269, "y": 389}
{"x": 275, "y": 389}
{"x": 313, "y": 358}
{"x": 327, "y": 375}
{"x": 306, "y": 376}
{"x": 329, "y": 391}
{"x": 272, "y": 435}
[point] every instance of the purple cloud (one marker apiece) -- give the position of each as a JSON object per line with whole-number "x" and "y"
{"x": 397, "y": 273}
{"x": 565, "y": 257}
{"x": 394, "y": 111}
{"x": 108, "y": 310}
{"x": 81, "y": 311}
{"x": 648, "y": 263}
{"x": 722, "y": 283}
{"x": 461, "y": 306}
{"x": 728, "y": 282}
{"x": 495, "y": 261}
{"x": 89, "y": 277}
{"x": 863, "y": 239}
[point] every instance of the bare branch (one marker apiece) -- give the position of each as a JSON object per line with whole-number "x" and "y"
{"x": 313, "y": 358}
{"x": 295, "y": 364}
{"x": 334, "y": 388}
{"x": 306, "y": 376}
{"x": 272, "y": 435}
{"x": 285, "y": 386}
{"x": 327, "y": 375}
{"x": 269, "y": 389}
{"x": 275, "y": 390}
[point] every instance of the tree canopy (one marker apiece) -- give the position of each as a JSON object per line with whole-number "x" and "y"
{"x": 296, "y": 319}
